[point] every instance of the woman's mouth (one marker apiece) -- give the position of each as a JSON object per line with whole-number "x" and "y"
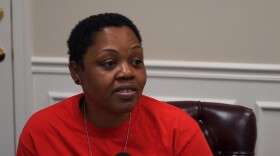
{"x": 125, "y": 92}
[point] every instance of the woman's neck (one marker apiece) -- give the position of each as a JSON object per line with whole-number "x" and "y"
{"x": 102, "y": 118}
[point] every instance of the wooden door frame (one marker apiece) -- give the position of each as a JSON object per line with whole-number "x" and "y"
{"x": 22, "y": 43}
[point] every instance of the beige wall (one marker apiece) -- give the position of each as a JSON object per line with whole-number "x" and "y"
{"x": 242, "y": 31}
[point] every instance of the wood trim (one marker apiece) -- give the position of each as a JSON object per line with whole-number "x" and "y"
{"x": 179, "y": 69}
{"x": 22, "y": 63}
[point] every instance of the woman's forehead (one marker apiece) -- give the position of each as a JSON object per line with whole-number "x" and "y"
{"x": 116, "y": 35}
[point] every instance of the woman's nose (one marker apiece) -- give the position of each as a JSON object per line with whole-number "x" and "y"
{"x": 125, "y": 71}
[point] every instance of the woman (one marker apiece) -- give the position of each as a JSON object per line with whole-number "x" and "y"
{"x": 111, "y": 116}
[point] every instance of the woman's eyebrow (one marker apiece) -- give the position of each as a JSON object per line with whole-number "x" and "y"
{"x": 114, "y": 51}
{"x": 137, "y": 47}
{"x": 110, "y": 50}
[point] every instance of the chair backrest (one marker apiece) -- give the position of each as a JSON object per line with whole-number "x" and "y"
{"x": 229, "y": 129}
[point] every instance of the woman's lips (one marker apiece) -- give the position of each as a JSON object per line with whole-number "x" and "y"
{"x": 125, "y": 92}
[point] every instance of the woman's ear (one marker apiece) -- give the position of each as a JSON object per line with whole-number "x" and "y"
{"x": 75, "y": 71}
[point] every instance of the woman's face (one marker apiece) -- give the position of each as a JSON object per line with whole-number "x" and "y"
{"x": 114, "y": 74}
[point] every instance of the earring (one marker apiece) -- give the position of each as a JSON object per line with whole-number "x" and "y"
{"x": 77, "y": 82}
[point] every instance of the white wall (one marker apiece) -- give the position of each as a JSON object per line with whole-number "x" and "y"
{"x": 243, "y": 31}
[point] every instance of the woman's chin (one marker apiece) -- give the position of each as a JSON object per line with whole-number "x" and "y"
{"x": 124, "y": 107}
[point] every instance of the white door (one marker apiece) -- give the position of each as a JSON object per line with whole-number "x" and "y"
{"x": 7, "y": 139}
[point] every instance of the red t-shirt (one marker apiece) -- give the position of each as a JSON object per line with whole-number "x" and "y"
{"x": 157, "y": 129}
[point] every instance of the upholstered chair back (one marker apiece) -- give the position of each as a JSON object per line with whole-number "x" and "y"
{"x": 229, "y": 129}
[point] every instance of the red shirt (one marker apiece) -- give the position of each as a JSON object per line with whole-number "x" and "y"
{"x": 157, "y": 129}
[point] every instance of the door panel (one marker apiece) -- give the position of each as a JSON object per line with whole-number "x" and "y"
{"x": 7, "y": 140}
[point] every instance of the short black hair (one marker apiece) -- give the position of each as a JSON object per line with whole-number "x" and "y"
{"x": 84, "y": 33}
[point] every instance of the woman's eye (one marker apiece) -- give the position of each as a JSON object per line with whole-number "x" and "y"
{"x": 109, "y": 64}
{"x": 136, "y": 62}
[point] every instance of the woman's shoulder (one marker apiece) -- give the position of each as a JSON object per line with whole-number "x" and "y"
{"x": 160, "y": 107}
{"x": 166, "y": 115}
{"x": 155, "y": 103}
{"x": 50, "y": 114}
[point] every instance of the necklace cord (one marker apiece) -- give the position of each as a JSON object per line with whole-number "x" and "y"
{"x": 89, "y": 144}
{"x": 127, "y": 133}
{"x": 87, "y": 133}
